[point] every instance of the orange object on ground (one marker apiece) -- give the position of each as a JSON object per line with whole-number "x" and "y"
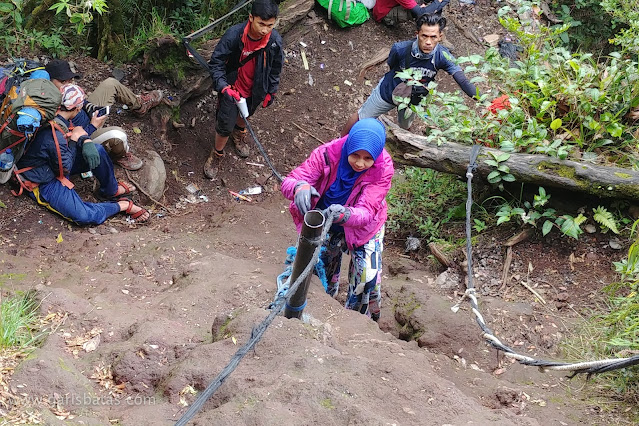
{"x": 500, "y": 103}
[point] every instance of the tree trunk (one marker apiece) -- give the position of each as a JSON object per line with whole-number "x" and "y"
{"x": 40, "y": 16}
{"x": 292, "y": 11}
{"x": 603, "y": 181}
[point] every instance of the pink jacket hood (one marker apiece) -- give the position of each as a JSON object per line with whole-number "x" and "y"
{"x": 367, "y": 201}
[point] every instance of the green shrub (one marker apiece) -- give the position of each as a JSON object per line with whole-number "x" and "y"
{"x": 421, "y": 201}
{"x": 562, "y": 104}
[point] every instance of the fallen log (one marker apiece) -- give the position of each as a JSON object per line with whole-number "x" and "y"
{"x": 603, "y": 181}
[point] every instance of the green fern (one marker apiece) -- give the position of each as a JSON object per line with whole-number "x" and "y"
{"x": 604, "y": 218}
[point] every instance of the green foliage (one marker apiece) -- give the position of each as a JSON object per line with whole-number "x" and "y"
{"x": 479, "y": 225}
{"x": 155, "y": 28}
{"x": 501, "y": 173}
{"x": 590, "y": 29}
{"x": 18, "y": 320}
{"x": 537, "y": 213}
{"x": 11, "y": 13}
{"x": 421, "y": 201}
{"x": 80, "y": 12}
{"x": 605, "y": 219}
{"x": 625, "y": 12}
{"x": 562, "y": 104}
{"x": 617, "y": 327}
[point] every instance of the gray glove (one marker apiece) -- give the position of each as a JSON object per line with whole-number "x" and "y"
{"x": 91, "y": 155}
{"x": 303, "y": 193}
{"x": 340, "y": 213}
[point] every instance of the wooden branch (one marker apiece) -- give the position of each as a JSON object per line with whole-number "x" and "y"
{"x": 506, "y": 270}
{"x": 380, "y": 57}
{"x": 464, "y": 29}
{"x": 137, "y": 185}
{"x": 308, "y": 133}
{"x": 532, "y": 290}
{"x": 440, "y": 256}
{"x": 603, "y": 181}
{"x": 522, "y": 236}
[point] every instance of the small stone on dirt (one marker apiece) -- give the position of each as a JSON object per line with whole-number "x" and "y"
{"x": 492, "y": 39}
{"x": 614, "y": 244}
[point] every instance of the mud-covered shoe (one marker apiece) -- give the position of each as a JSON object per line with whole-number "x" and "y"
{"x": 129, "y": 162}
{"x": 238, "y": 139}
{"x": 148, "y": 100}
{"x": 212, "y": 165}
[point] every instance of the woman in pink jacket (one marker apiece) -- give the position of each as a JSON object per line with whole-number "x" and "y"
{"x": 348, "y": 177}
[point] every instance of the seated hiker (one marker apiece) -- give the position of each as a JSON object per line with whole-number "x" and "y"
{"x": 392, "y": 12}
{"x": 349, "y": 178}
{"x": 55, "y": 154}
{"x": 113, "y": 138}
{"x": 246, "y": 63}
{"x": 424, "y": 54}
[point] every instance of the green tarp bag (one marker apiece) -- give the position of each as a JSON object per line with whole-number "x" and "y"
{"x": 345, "y": 13}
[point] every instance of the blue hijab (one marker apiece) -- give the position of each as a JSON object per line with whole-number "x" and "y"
{"x": 368, "y": 134}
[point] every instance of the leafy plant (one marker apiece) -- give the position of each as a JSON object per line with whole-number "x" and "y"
{"x": 605, "y": 219}
{"x": 80, "y": 12}
{"x": 562, "y": 104}
{"x": 536, "y": 213}
{"x": 479, "y": 225}
{"x": 501, "y": 173}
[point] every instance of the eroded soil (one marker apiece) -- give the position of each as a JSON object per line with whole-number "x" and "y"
{"x": 144, "y": 317}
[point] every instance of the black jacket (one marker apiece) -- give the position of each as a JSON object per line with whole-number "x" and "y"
{"x": 225, "y": 62}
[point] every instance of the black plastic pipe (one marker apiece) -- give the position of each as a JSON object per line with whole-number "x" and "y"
{"x": 308, "y": 241}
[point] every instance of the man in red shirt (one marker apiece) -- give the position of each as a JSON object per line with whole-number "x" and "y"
{"x": 246, "y": 63}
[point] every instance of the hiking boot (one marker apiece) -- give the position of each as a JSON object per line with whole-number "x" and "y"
{"x": 238, "y": 138}
{"x": 129, "y": 162}
{"x": 212, "y": 164}
{"x": 148, "y": 100}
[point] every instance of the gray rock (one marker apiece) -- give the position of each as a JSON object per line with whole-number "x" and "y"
{"x": 448, "y": 280}
{"x": 153, "y": 175}
{"x": 412, "y": 244}
{"x": 118, "y": 74}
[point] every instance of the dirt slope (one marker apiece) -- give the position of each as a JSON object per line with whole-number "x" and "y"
{"x": 171, "y": 302}
{"x": 154, "y": 296}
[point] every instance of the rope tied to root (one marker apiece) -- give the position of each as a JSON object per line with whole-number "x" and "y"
{"x": 588, "y": 367}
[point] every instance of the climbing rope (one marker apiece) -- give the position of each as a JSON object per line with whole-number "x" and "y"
{"x": 263, "y": 151}
{"x": 284, "y": 279}
{"x": 258, "y": 331}
{"x": 588, "y": 367}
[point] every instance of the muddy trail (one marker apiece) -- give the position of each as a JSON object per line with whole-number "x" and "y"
{"x": 141, "y": 319}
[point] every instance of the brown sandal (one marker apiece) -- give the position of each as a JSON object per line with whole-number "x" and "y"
{"x": 137, "y": 214}
{"x": 128, "y": 188}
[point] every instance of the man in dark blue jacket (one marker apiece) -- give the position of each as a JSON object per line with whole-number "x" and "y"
{"x": 246, "y": 63}
{"x": 423, "y": 54}
{"x": 55, "y": 154}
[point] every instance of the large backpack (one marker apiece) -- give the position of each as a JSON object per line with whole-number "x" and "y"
{"x": 23, "y": 112}
{"x": 12, "y": 75}
{"x": 345, "y": 13}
